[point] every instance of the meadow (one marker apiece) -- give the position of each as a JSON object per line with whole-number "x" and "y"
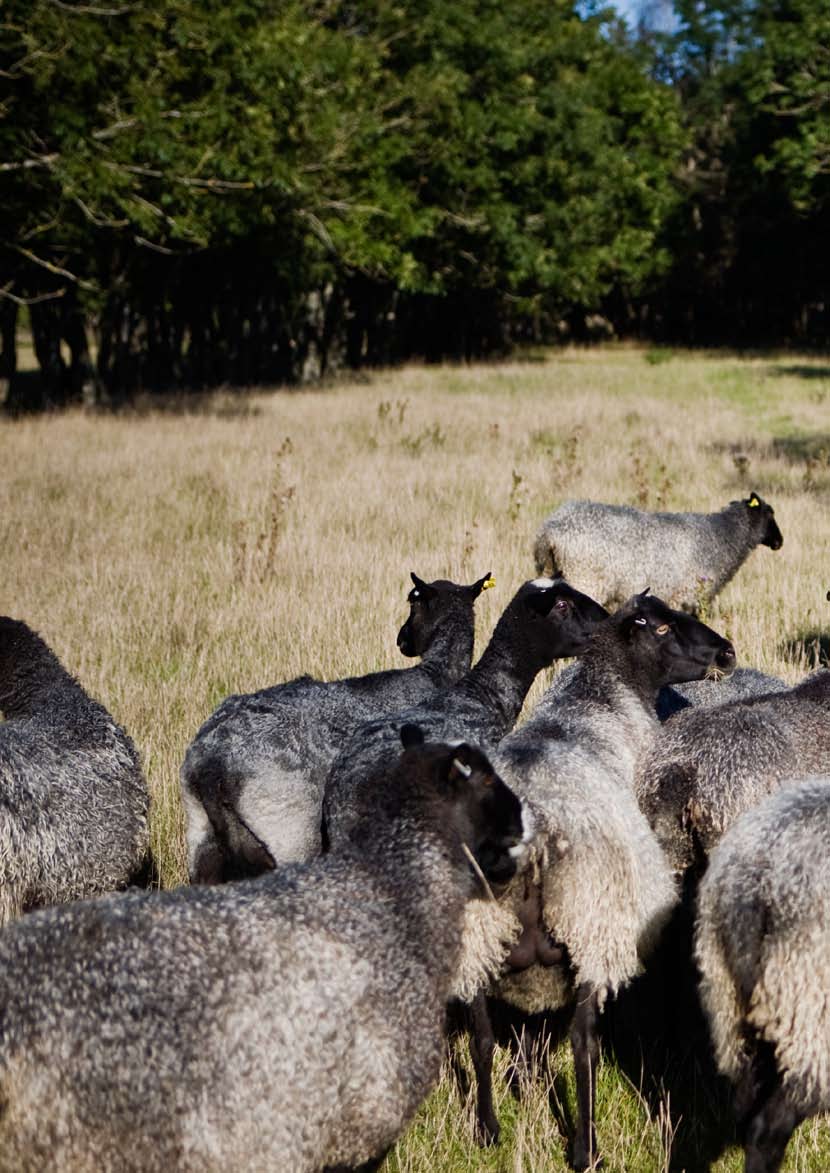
{"x": 186, "y": 549}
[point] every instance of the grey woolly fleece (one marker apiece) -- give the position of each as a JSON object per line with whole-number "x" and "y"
{"x": 481, "y": 708}
{"x": 73, "y": 800}
{"x": 704, "y": 694}
{"x": 291, "y": 1022}
{"x": 252, "y": 778}
{"x": 613, "y": 551}
{"x": 763, "y": 941}
{"x": 606, "y": 888}
{"x": 710, "y": 765}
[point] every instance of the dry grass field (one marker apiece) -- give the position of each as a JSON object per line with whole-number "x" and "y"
{"x": 174, "y": 555}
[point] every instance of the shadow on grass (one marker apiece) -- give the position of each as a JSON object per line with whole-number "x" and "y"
{"x": 798, "y": 449}
{"x": 802, "y": 371}
{"x": 812, "y": 646}
{"x": 657, "y": 1033}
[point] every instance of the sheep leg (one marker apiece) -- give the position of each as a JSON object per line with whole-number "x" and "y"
{"x": 769, "y": 1133}
{"x": 482, "y": 1046}
{"x": 585, "y": 1047}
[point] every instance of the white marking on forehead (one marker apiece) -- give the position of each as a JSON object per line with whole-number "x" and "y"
{"x": 542, "y": 583}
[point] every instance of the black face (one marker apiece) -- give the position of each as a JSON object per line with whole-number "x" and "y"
{"x": 569, "y": 616}
{"x": 672, "y": 646}
{"x": 486, "y": 812}
{"x": 429, "y": 605}
{"x": 763, "y": 518}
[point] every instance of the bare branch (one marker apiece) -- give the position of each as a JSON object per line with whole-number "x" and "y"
{"x": 5, "y": 291}
{"x": 86, "y": 10}
{"x": 99, "y": 221}
{"x": 48, "y": 265}
{"x": 26, "y": 164}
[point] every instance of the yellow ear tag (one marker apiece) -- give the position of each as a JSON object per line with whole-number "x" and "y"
{"x": 490, "y": 582}
{"x": 753, "y": 502}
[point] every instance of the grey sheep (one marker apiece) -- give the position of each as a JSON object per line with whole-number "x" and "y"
{"x": 763, "y": 949}
{"x": 290, "y": 1022}
{"x": 612, "y": 551}
{"x": 252, "y": 778}
{"x": 544, "y": 620}
{"x": 73, "y": 800}
{"x": 598, "y": 890}
{"x": 716, "y": 690}
{"x": 709, "y": 765}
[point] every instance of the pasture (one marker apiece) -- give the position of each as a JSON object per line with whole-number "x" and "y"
{"x": 181, "y": 551}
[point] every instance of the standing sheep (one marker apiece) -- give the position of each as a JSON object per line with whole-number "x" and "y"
{"x": 252, "y": 778}
{"x": 290, "y": 1022}
{"x": 763, "y": 948}
{"x": 711, "y": 764}
{"x": 544, "y": 621}
{"x": 73, "y": 800}
{"x": 598, "y": 890}
{"x": 612, "y": 551}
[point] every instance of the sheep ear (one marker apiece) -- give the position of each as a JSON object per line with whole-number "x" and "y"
{"x": 411, "y": 736}
{"x": 483, "y": 584}
{"x": 422, "y": 588}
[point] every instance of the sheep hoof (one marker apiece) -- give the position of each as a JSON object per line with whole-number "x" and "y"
{"x": 488, "y": 1133}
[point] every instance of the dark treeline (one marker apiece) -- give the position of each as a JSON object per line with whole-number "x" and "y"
{"x": 197, "y": 193}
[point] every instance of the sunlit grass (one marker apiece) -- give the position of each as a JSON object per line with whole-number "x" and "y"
{"x": 222, "y": 544}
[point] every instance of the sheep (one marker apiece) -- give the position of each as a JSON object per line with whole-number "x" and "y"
{"x": 291, "y": 1021}
{"x": 742, "y": 683}
{"x": 252, "y": 778}
{"x": 611, "y": 551}
{"x": 73, "y": 800}
{"x": 763, "y": 948}
{"x": 598, "y": 890}
{"x": 709, "y": 765}
{"x": 545, "y": 620}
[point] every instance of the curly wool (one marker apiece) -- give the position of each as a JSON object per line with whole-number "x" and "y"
{"x": 73, "y": 800}
{"x": 763, "y": 940}
{"x": 710, "y": 765}
{"x": 612, "y": 551}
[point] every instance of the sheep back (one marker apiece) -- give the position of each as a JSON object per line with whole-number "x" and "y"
{"x": 614, "y": 551}
{"x": 763, "y": 940}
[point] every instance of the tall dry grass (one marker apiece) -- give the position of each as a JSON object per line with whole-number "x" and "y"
{"x": 173, "y": 556}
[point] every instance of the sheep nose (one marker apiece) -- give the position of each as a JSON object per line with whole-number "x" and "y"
{"x": 726, "y": 657}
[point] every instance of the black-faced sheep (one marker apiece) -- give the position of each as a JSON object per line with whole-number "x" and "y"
{"x": 252, "y": 778}
{"x": 544, "y": 621}
{"x": 612, "y": 551}
{"x": 293, "y": 1021}
{"x": 598, "y": 890}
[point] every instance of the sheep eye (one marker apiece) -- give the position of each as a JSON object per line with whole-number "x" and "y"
{"x": 662, "y": 629}
{"x": 561, "y": 605}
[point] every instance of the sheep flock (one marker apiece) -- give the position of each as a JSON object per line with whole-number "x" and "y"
{"x": 413, "y": 870}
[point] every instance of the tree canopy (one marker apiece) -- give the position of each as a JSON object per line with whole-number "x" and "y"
{"x": 204, "y": 192}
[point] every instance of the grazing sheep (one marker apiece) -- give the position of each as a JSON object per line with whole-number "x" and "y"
{"x": 544, "y": 620}
{"x": 743, "y": 683}
{"x": 252, "y": 779}
{"x": 611, "y": 551}
{"x": 73, "y": 801}
{"x": 290, "y": 1022}
{"x": 598, "y": 890}
{"x": 763, "y": 948}
{"x": 710, "y": 765}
